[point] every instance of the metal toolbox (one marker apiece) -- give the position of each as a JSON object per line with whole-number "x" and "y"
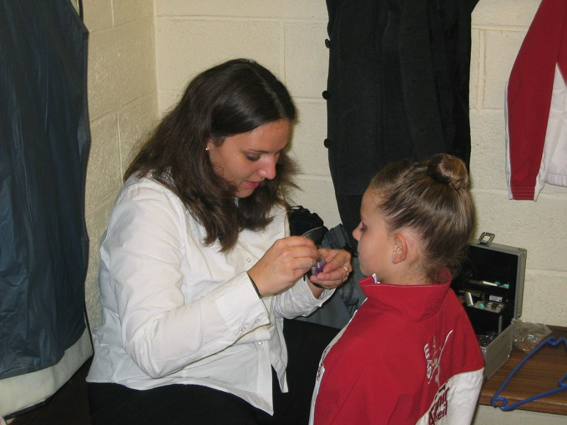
{"x": 491, "y": 288}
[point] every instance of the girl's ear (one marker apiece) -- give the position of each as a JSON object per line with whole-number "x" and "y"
{"x": 400, "y": 248}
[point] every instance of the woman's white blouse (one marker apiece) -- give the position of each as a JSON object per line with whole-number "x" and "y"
{"x": 177, "y": 312}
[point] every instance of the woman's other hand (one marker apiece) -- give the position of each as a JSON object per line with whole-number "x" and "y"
{"x": 337, "y": 268}
{"x": 283, "y": 263}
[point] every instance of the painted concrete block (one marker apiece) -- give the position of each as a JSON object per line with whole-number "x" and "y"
{"x": 475, "y": 70}
{"x": 97, "y": 14}
{"x": 536, "y": 226}
{"x": 121, "y": 67}
{"x": 488, "y": 150}
{"x": 501, "y": 50}
{"x": 103, "y": 170}
{"x": 167, "y": 99}
{"x": 504, "y": 12}
{"x": 187, "y": 47}
{"x": 289, "y": 9}
{"x": 308, "y": 136}
{"x": 132, "y": 10}
{"x": 135, "y": 121}
{"x": 542, "y": 305}
{"x": 306, "y": 58}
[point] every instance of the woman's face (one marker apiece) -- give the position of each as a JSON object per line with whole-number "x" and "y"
{"x": 246, "y": 159}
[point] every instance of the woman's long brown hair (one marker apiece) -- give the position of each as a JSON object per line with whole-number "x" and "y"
{"x": 232, "y": 98}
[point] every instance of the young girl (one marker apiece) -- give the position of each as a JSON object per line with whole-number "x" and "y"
{"x": 409, "y": 355}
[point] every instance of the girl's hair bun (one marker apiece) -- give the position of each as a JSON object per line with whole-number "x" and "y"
{"x": 448, "y": 170}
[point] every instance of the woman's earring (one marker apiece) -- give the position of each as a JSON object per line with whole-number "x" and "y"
{"x": 207, "y": 148}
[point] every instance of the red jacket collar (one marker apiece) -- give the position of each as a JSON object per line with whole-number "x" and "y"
{"x": 414, "y": 301}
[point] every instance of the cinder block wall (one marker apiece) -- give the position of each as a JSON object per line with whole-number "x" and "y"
{"x": 288, "y": 37}
{"x": 122, "y": 98}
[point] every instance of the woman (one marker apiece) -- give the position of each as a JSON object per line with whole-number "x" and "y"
{"x": 196, "y": 270}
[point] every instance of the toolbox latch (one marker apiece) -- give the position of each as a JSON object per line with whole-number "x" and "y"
{"x": 486, "y": 238}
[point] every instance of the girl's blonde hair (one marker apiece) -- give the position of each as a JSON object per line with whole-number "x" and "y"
{"x": 432, "y": 199}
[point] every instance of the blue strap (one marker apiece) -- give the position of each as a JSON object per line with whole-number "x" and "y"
{"x": 504, "y": 401}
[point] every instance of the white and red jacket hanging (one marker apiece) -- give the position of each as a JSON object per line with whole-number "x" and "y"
{"x": 536, "y": 106}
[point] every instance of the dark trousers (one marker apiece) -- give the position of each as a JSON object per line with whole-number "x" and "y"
{"x": 197, "y": 405}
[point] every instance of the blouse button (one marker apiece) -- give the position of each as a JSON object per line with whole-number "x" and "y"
{"x": 243, "y": 329}
{"x": 248, "y": 259}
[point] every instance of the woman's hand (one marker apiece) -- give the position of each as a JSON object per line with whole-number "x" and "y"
{"x": 283, "y": 263}
{"x": 336, "y": 271}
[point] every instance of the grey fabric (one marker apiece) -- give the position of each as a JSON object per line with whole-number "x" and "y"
{"x": 347, "y": 298}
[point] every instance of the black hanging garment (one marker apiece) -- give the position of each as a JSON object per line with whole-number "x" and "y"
{"x": 398, "y": 87}
{"x": 44, "y": 143}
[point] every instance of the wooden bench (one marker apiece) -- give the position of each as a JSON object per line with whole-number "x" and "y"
{"x": 539, "y": 374}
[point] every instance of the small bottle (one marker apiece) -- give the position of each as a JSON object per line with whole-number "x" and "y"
{"x": 319, "y": 266}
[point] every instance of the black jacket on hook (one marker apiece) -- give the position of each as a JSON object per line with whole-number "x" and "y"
{"x": 398, "y": 87}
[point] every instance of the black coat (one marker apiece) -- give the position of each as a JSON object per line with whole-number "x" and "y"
{"x": 398, "y": 87}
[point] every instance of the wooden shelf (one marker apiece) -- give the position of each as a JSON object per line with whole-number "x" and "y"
{"x": 539, "y": 374}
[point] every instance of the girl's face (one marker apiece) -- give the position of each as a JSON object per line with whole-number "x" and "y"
{"x": 375, "y": 242}
{"x": 246, "y": 159}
